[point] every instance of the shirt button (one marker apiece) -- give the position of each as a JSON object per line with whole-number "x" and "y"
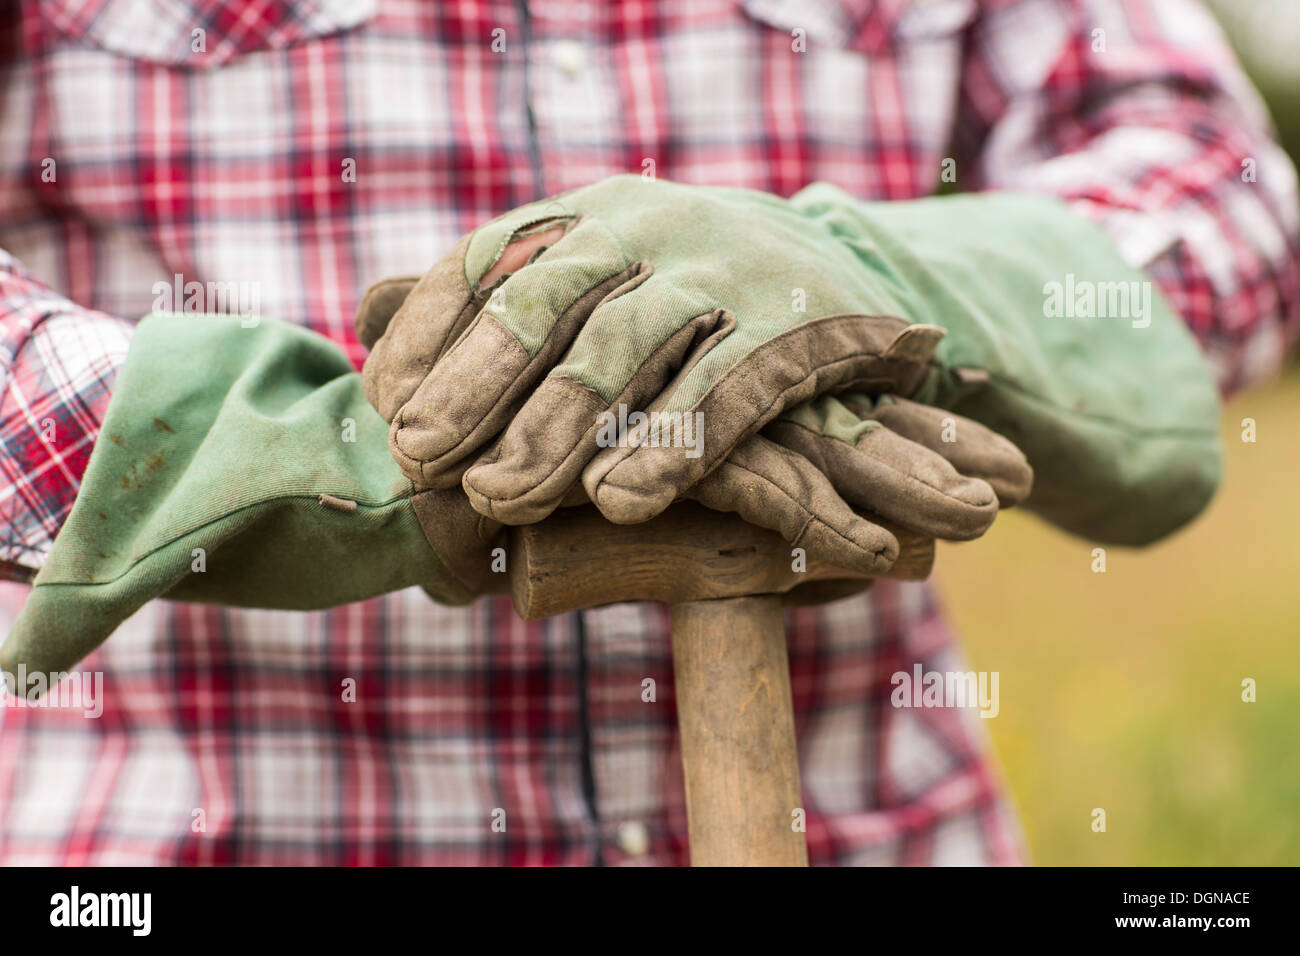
{"x": 633, "y": 838}
{"x": 569, "y": 57}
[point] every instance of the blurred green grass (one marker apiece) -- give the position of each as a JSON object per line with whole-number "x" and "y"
{"x": 1123, "y": 690}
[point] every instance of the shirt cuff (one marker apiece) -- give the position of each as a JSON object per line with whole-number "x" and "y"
{"x": 54, "y": 399}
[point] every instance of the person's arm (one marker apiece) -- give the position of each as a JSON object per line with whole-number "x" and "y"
{"x": 240, "y": 466}
{"x": 1139, "y": 115}
{"x": 58, "y": 364}
{"x": 1094, "y": 149}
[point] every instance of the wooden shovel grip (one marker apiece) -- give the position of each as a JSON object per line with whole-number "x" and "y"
{"x": 576, "y": 559}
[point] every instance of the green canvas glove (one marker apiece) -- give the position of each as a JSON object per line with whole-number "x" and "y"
{"x": 1117, "y": 414}
{"x": 243, "y": 467}
{"x": 823, "y": 474}
{"x": 739, "y": 306}
{"x": 633, "y": 307}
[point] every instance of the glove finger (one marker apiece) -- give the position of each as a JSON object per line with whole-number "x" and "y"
{"x": 775, "y": 488}
{"x": 746, "y": 382}
{"x": 973, "y": 449}
{"x": 618, "y": 364}
{"x": 477, "y": 383}
{"x": 379, "y": 304}
{"x": 879, "y": 471}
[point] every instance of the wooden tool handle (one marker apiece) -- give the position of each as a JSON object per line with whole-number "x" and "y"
{"x": 736, "y": 716}
{"x": 576, "y": 559}
{"x": 724, "y": 579}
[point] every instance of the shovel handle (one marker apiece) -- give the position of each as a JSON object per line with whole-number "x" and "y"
{"x": 576, "y": 559}
{"x": 724, "y": 580}
{"x": 736, "y": 718}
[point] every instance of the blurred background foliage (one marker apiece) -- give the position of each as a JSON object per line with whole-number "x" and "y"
{"x": 1123, "y": 690}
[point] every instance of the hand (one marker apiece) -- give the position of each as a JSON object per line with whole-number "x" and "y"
{"x": 741, "y": 306}
{"x": 805, "y": 475}
{"x": 726, "y": 305}
{"x": 827, "y": 474}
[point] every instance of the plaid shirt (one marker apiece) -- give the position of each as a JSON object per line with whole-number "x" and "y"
{"x": 212, "y": 140}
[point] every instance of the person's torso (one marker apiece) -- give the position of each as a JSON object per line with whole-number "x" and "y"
{"x": 295, "y": 154}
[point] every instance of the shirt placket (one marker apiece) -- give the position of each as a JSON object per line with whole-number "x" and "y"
{"x": 558, "y": 71}
{"x": 573, "y": 95}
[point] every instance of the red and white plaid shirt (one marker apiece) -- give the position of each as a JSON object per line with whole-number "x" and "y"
{"x": 211, "y": 139}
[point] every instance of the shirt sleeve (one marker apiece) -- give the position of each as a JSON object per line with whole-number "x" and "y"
{"x": 1139, "y": 115}
{"x": 58, "y": 363}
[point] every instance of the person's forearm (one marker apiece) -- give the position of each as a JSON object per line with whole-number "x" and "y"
{"x": 1056, "y": 343}
{"x": 1224, "y": 251}
{"x": 257, "y": 477}
{"x": 58, "y": 364}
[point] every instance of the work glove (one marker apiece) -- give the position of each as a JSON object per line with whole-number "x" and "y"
{"x": 239, "y": 466}
{"x": 739, "y": 306}
{"x": 833, "y": 477}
